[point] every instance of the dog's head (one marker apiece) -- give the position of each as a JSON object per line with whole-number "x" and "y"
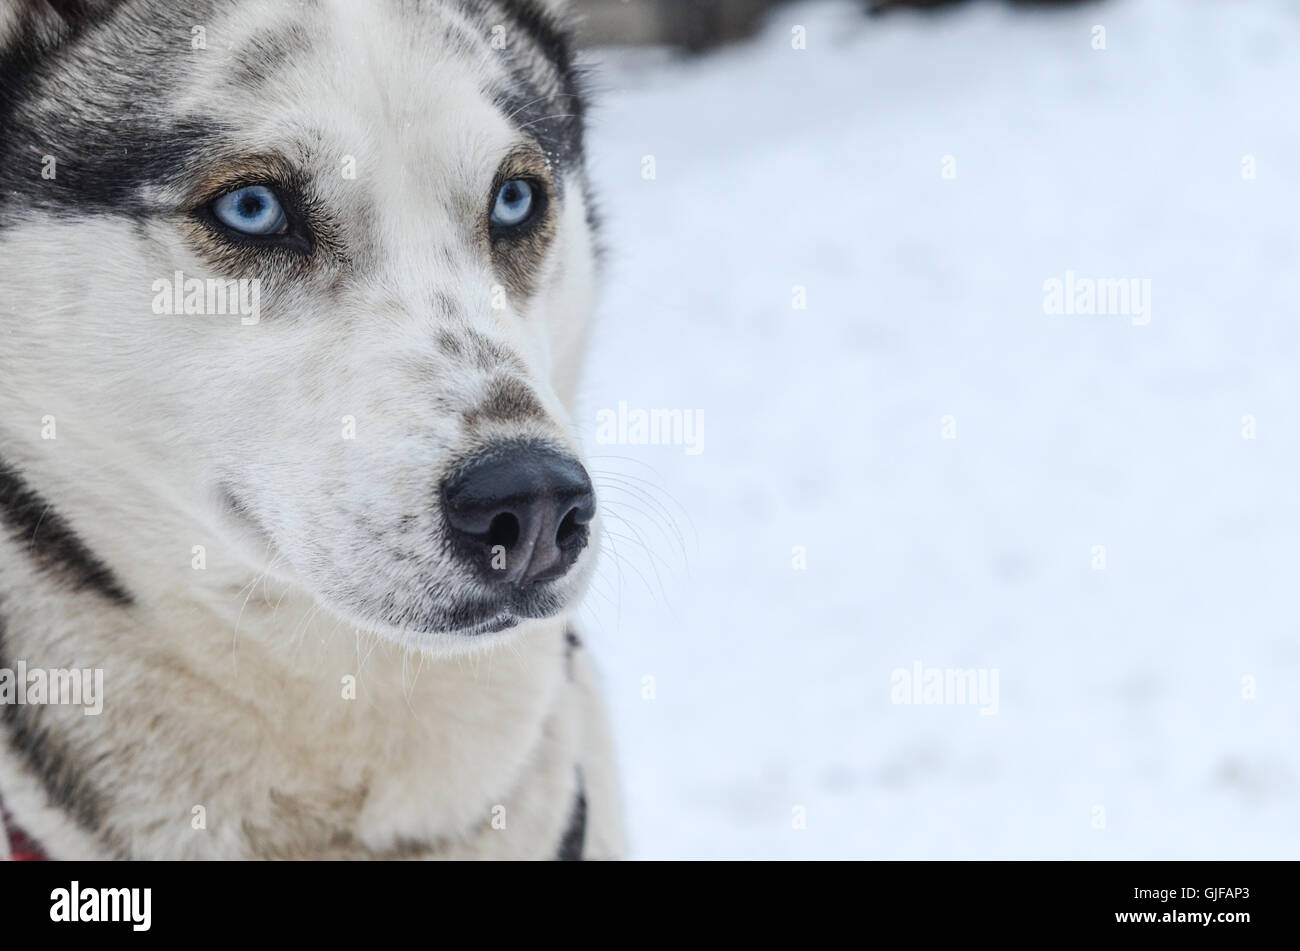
{"x": 317, "y": 275}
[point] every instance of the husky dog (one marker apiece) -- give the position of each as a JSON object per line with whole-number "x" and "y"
{"x": 292, "y": 302}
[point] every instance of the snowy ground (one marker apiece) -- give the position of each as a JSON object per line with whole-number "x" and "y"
{"x": 1125, "y": 722}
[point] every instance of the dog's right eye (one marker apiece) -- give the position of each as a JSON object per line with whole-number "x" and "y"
{"x": 252, "y": 210}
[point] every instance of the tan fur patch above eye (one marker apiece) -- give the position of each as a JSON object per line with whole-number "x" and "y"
{"x": 246, "y": 170}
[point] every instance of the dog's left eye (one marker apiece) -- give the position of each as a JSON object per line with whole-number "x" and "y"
{"x": 252, "y": 210}
{"x": 514, "y": 204}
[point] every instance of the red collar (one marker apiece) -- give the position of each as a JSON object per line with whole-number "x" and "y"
{"x": 21, "y": 846}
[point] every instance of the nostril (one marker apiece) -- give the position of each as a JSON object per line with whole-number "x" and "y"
{"x": 569, "y": 530}
{"x": 504, "y": 530}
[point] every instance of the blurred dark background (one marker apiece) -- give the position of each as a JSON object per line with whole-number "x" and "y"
{"x": 697, "y": 25}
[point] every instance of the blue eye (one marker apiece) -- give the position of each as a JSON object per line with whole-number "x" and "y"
{"x": 514, "y": 204}
{"x": 254, "y": 210}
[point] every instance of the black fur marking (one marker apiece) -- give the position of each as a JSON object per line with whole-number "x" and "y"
{"x": 545, "y": 32}
{"x": 572, "y": 642}
{"x": 575, "y": 836}
{"x": 555, "y": 118}
{"x": 102, "y": 118}
{"x": 56, "y": 767}
{"x": 51, "y": 542}
{"x": 100, "y": 171}
{"x": 76, "y": 13}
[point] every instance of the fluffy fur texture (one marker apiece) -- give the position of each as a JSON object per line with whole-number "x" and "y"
{"x": 296, "y": 460}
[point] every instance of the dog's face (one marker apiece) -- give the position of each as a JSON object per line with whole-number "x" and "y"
{"x": 378, "y": 407}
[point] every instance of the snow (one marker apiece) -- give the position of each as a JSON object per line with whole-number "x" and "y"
{"x": 1126, "y": 724}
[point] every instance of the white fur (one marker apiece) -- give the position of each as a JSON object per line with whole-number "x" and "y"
{"x": 224, "y": 685}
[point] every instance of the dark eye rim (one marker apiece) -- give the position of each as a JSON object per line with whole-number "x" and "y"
{"x": 297, "y": 236}
{"x": 536, "y": 214}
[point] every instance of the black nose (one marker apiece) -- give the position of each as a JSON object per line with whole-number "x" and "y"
{"x": 520, "y": 512}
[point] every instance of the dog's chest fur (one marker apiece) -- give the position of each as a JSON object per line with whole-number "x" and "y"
{"x": 352, "y": 750}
